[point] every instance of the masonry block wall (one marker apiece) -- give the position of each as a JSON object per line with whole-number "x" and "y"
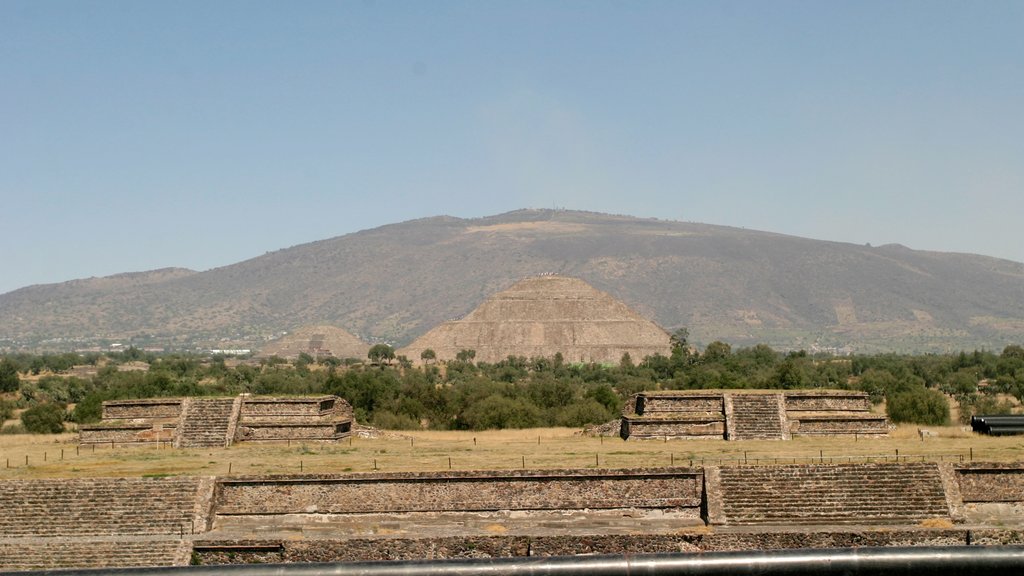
{"x": 294, "y": 418}
{"x": 461, "y": 492}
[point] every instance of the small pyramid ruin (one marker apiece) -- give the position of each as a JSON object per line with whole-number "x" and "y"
{"x": 317, "y": 341}
{"x": 542, "y": 316}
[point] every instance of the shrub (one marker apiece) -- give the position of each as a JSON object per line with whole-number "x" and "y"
{"x": 587, "y": 411}
{"x": 497, "y": 412}
{"x": 44, "y": 419}
{"x": 391, "y": 421}
{"x": 6, "y": 410}
{"x": 919, "y": 406}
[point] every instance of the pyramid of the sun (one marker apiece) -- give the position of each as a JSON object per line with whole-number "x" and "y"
{"x": 317, "y": 341}
{"x": 542, "y": 316}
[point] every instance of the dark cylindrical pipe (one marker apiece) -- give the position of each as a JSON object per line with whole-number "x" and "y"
{"x": 949, "y": 561}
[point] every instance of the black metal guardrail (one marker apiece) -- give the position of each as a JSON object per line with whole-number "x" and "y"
{"x": 1001, "y": 425}
{"x": 948, "y": 561}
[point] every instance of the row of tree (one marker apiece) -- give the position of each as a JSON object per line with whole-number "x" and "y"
{"x": 519, "y": 392}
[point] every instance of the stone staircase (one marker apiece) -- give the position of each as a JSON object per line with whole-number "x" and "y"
{"x": 96, "y": 522}
{"x": 205, "y": 423}
{"x": 756, "y": 417}
{"x": 49, "y": 554}
{"x": 97, "y": 506}
{"x": 866, "y": 494}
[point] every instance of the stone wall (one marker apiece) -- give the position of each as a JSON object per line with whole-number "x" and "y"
{"x": 125, "y": 433}
{"x": 276, "y": 431}
{"x": 827, "y": 401}
{"x": 469, "y": 491}
{"x": 144, "y": 408}
{"x": 991, "y": 482}
{"x": 369, "y": 549}
{"x": 647, "y": 403}
{"x": 657, "y": 428}
{"x": 288, "y": 406}
{"x": 817, "y": 424}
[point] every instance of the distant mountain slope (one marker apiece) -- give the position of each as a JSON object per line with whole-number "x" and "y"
{"x": 398, "y": 281}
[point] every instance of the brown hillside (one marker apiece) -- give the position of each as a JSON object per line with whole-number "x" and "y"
{"x": 543, "y": 316}
{"x": 395, "y": 282}
{"x": 317, "y": 341}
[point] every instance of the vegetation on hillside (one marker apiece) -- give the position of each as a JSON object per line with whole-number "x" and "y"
{"x": 519, "y": 392}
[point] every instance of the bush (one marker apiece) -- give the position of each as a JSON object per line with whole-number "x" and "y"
{"x": 391, "y": 421}
{"x": 588, "y": 411}
{"x": 44, "y": 419}
{"x": 497, "y": 412}
{"x": 88, "y": 410}
{"x": 920, "y": 406}
{"x": 6, "y": 410}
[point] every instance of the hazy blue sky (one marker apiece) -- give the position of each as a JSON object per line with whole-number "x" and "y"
{"x": 140, "y": 135}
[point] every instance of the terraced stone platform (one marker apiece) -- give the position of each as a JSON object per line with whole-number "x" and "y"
{"x": 749, "y": 415}
{"x": 220, "y": 422}
{"x": 349, "y": 517}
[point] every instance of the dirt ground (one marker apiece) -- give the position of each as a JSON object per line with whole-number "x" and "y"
{"x": 36, "y": 456}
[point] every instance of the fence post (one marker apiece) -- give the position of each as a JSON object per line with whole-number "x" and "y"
{"x": 449, "y": 462}
{"x": 524, "y": 462}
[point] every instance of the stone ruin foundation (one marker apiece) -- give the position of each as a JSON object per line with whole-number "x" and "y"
{"x": 193, "y": 422}
{"x": 746, "y": 415}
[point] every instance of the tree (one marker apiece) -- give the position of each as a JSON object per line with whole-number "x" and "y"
{"x": 44, "y": 419}
{"x": 920, "y": 406}
{"x": 466, "y": 355}
{"x": 381, "y": 354}
{"x": 716, "y": 351}
{"x": 9, "y": 381}
{"x": 680, "y": 338}
{"x": 428, "y": 355}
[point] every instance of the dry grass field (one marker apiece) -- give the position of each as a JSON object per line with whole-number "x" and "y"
{"x": 61, "y": 456}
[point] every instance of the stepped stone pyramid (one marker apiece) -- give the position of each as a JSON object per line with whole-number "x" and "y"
{"x": 542, "y": 316}
{"x": 317, "y": 341}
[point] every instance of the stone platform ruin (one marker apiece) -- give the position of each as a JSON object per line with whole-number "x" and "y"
{"x": 107, "y": 522}
{"x": 749, "y": 415}
{"x": 220, "y": 422}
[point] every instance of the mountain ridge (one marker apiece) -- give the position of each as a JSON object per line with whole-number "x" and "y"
{"x": 394, "y": 282}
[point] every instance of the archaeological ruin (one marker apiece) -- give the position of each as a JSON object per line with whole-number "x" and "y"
{"x": 749, "y": 415}
{"x": 209, "y": 422}
{"x": 317, "y": 342}
{"x": 543, "y": 316}
{"x": 106, "y": 522}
